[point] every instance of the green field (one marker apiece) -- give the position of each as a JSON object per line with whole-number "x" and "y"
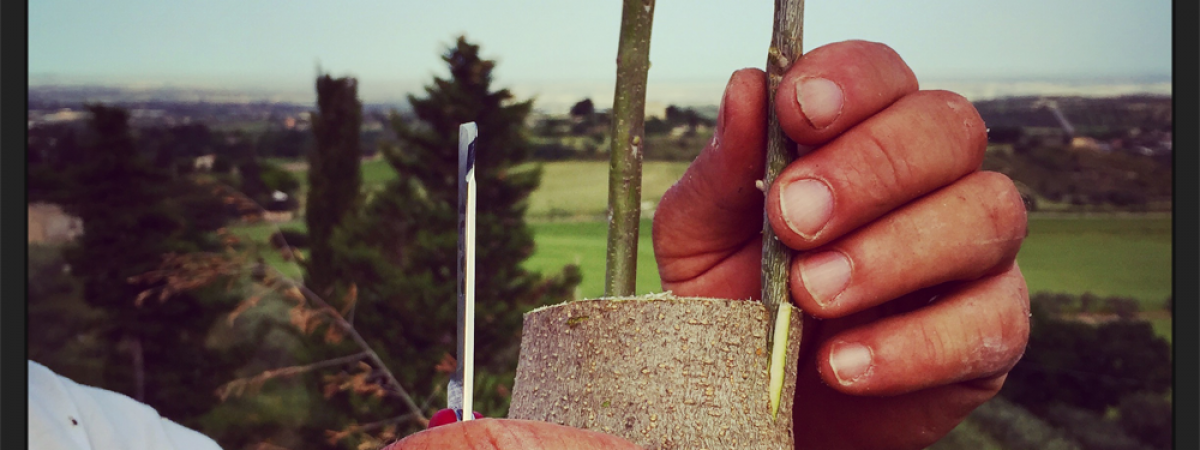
{"x": 1111, "y": 255}
{"x": 258, "y": 236}
{"x": 377, "y": 172}
{"x": 580, "y": 188}
{"x": 583, "y": 243}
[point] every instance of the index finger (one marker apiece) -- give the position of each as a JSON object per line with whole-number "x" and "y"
{"x": 834, "y": 87}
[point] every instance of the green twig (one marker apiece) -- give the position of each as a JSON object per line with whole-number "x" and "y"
{"x": 628, "y": 141}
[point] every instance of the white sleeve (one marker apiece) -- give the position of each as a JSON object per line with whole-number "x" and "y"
{"x": 64, "y": 415}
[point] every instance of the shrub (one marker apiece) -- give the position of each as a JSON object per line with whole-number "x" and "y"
{"x": 1087, "y": 366}
{"x": 1147, "y": 416}
{"x": 1091, "y": 430}
{"x": 290, "y": 238}
{"x": 1018, "y": 429}
{"x": 1123, "y": 307}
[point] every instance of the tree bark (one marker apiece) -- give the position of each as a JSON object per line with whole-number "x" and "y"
{"x": 662, "y": 371}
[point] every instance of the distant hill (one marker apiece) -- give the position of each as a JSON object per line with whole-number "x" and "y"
{"x": 55, "y": 96}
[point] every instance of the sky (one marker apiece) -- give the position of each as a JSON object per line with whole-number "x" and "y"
{"x": 558, "y": 51}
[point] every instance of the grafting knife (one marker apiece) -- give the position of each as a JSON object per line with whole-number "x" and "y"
{"x": 459, "y": 393}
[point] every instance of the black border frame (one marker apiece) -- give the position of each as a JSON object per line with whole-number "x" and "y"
{"x": 1186, "y": 224}
{"x": 14, "y": 372}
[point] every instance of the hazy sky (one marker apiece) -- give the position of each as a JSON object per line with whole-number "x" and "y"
{"x": 556, "y": 47}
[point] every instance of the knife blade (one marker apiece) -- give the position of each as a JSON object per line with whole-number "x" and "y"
{"x": 459, "y": 392}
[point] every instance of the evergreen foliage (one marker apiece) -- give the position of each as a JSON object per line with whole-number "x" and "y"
{"x": 333, "y": 176}
{"x": 1148, "y": 417}
{"x": 132, "y": 214}
{"x": 400, "y": 250}
{"x": 583, "y": 109}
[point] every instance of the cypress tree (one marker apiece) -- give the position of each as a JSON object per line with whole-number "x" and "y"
{"x": 333, "y": 175}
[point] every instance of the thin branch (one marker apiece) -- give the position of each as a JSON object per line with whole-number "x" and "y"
{"x": 240, "y": 384}
{"x": 786, "y": 45}
{"x": 628, "y": 141}
{"x": 293, "y": 370}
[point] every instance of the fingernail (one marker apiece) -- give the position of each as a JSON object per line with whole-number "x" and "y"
{"x": 850, "y": 362}
{"x": 820, "y": 101}
{"x": 806, "y": 206}
{"x": 825, "y": 275}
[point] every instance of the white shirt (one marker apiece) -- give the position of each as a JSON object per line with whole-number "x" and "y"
{"x": 64, "y": 415}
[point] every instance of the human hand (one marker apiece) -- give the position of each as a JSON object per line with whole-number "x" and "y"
{"x": 507, "y": 434}
{"x": 907, "y": 250}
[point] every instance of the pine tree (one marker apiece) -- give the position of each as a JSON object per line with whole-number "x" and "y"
{"x": 333, "y": 174}
{"x": 400, "y": 251}
{"x": 131, "y": 218}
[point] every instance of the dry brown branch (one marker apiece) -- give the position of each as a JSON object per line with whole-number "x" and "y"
{"x": 179, "y": 273}
{"x": 239, "y": 386}
{"x": 446, "y": 365}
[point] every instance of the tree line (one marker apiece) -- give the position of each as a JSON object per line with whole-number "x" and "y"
{"x": 162, "y": 291}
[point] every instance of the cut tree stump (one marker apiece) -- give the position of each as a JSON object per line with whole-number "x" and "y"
{"x": 662, "y": 371}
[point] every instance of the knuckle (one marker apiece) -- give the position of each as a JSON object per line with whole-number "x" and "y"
{"x": 889, "y": 170}
{"x": 1004, "y": 207}
{"x": 864, "y": 47}
{"x": 958, "y": 117}
{"x": 1002, "y": 339}
{"x": 932, "y": 339}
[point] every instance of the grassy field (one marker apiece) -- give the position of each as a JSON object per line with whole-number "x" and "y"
{"x": 583, "y": 243}
{"x": 1126, "y": 256}
{"x": 258, "y": 234}
{"x": 376, "y": 172}
{"x": 580, "y": 188}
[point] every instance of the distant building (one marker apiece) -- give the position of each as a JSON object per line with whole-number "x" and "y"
{"x": 62, "y": 115}
{"x": 204, "y": 163}
{"x": 48, "y": 224}
{"x": 1087, "y": 143}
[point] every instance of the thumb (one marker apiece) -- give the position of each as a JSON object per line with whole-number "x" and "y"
{"x": 710, "y": 220}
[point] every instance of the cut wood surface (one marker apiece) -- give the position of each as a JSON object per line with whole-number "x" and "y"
{"x": 662, "y": 371}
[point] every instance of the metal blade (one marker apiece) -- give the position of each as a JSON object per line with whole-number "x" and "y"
{"x": 459, "y": 392}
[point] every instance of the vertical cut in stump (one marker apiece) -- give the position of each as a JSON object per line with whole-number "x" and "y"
{"x": 661, "y": 371}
